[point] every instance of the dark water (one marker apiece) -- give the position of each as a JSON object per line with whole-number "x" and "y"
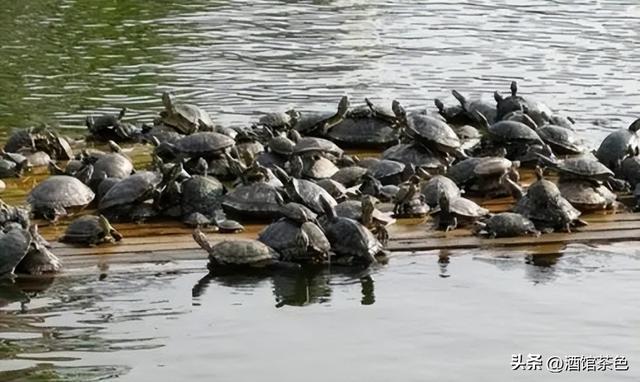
{"x": 416, "y": 319}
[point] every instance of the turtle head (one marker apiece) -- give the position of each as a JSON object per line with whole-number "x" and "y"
{"x": 460, "y": 98}
{"x": 123, "y": 111}
{"x": 635, "y": 125}
{"x": 482, "y": 120}
{"x": 114, "y": 147}
{"x": 439, "y": 104}
{"x": 497, "y": 96}
{"x": 202, "y": 167}
{"x": 539, "y": 172}
{"x": 202, "y": 240}
{"x": 343, "y": 106}
{"x": 108, "y": 229}
{"x": 514, "y": 88}
{"x": 368, "y": 206}
{"x": 282, "y": 175}
{"x": 399, "y": 112}
{"x": 167, "y": 100}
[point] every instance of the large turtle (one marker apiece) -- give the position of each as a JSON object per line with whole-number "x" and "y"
{"x": 255, "y": 200}
{"x": 299, "y": 242}
{"x": 349, "y": 239}
{"x": 373, "y": 129}
{"x": 119, "y": 201}
{"x": 185, "y": 118}
{"x": 51, "y": 198}
{"x": 90, "y": 230}
{"x": 205, "y": 144}
{"x": 618, "y": 145}
{"x": 587, "y": 196}
{"x": 432, "y": 132}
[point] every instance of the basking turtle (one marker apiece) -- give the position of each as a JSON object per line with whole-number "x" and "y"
{"x": 201, "y": 194}
{"x": 313, "y": 145}
{"x": 408, "y": 201}
{"x": 476, "y": 106}
{"x": 432, "y": 132}
{"x": 516, "y": 137}
{"x": 507, "y": 224}
{"x": 198, "y": 220}
{"x": 539, "y": 112}
{"x": 229, "y": 226}
{"x": 365, "y": 212}
{"x": 487, "y": 174}
{"x": 237, "y": 254}
{"x": 317, "y": 167}
{"x": 304, "y": 192}
{"x": 337, "y": 191}
{"x": 587, "y": 196}
{"x": 583, "y": 167}
{"x": 39, "y": 259}
{"x": 51, "y": 198}
{"x": 14, "y": 245}
{"x": 247, "y": 145}
{"x": 454, "y": 115}
{"x": 12, "y": 214}
{"x": 372, "y": 186}
{"x": 299, "y": 242}
{"x": 436, "y": 186}
{"x": 544, "y": 205}
{"x": 280, "y": 120}
{"x": 255, "y": 201}
{"x": 90, "y": 230}
{"x": 561, "y": 140}
{"x": 391, "y": 172}
{"x": 618, "y": 145}
{"x": 374, "y": 129}
{"x": 204, "y": 144}
{"x": 458, "y": 212}
{"x": 185, "y": 118}
{"x": 349, "y": 239}
{"x": 298, "y": 213}
{"x": 349, "y": 176}
{"x": 110, "y": 127}
{"x": 112, "y": 165}
{"x": 320, "y": 123}
{"x": 416, "y": 155}
{"x": 118, "y": 202}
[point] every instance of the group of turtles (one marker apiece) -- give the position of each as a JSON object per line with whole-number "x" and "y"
{"x": 289, "y": 169}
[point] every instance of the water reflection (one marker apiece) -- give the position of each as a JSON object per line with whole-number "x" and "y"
{"x": 50, "y": 372}
{"x": 306, "y": 286}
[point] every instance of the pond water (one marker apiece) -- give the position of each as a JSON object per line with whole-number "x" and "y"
{"x": 422, "y": 317}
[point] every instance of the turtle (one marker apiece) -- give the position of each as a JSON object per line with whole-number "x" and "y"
{"x": 391, "y": 172}
{"x": 304, "y": 192}
{"x": 294, "y": 241}
{"x": 365, "y": 212}
{"x": 487, "y": 174}
{"x": 376, "y": 129}
{"x": 457, "y": 212}
{"x": 438, "y": 184}
{"x": 349, "y": 239}
{"x": 298, "y": 213}
{"x": 110, "y": 127}
{"x": 317, "y": 167}
{"x": 185, "y": 118}
{"x": 349, "y": 176}
{"x": 198, "y": 220}
{"x": 247, "y": 144}
{"x": 618, "y": 145}
{"x": 417, "y": 155}
{"x": 580, "y": 167}
{"x": 454, "y": 115}
{"x": 409, "y": 201}
{"x": 280, "y": 144}
{"x": 13, "y": 214}
{"x": 516, "y": 137}
{"x": 431, "y": 132}
{"x": 21, "y": 139}
{"x": 205, "y": 144}
{"x": 562, "y": 121}
{"x": 36, "y": 158}
{"x": 473, "y": 106}
{"x": 561, "y": 140}
{"x": 201, "y": 194}
{"x": 630, "y": 169}
{"x": 229, "y": 226}
{"x": 39, "y": 259}
{"x": 507, "y": 224}
{"x": 544, "y": 205}
{"x": 237, "y": 254}
{"x": 9, "y": 169}
{"x": 372, "y": 186}
{"x": 587, "y": 196}
{"x": 253, "y": 200}
{"x": 522, "y": 117}
{"x": 337, "y": 191}
{"x": 119, "y": 201}
{"x": 318, "y": 124}
{"x": 315, "y": 145}
{"x": 14, "y": 245}
{"x": 90, "y": 230}
{"x": 539, "y": 112}
{"x": 112, "y": 165}
{"x": 280, "y": 120}
{"x": 52, "y": 197}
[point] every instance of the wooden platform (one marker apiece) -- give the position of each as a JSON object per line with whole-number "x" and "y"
{"x": 171, "y": 241}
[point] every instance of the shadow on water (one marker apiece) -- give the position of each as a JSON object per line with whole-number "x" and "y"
{"x": 306, "y": 286}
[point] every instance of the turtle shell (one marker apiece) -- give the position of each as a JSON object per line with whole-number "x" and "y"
{"x": 492, "y": 166}
{"x": 364, "y": 132}
{"x": 282, "y": 145}
{"x": 509, "y": 224}
{"x": 257, "y": 200}
{"x": 585, "y": 196}
{"x": 350, "y": 238}
{"x": 466, "y": 208}
{"x": 316, "y": 145}
{"x": 584, "y": 167}
{"x": 295, "y": 241}
{"x": 318, "y": 167}
{"x": 434, "y": 187}
{"x": 433, "y": 132}
{"x": 297, "y": 212}
{"x": 349, "y": 176}
{"x": 510, "y": 131}
{"x": 85, "y": 230}
{"x": 112, "y": 165}
{"x": 389, "y": 171}
{"x": 616, "y": 146}
{"x": 309, "y": 194}
{"x": 562, "y": 141}
{"x": 241, "y": 252}
{"x": 201, "y": 194}
{"x": 416, "y": 154}
{"x": 61, "y": 191}
{"x": 13, "y": 248}
{"x": 132, "y": 189}
{"x": 230, "y": 226}
{"x": 204, "y": 144}
{"x": 335, "y": 189}
{"x": 463, "y": 172}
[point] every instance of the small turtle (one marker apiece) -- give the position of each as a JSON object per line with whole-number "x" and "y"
{"x": 438, "y": 184}
{"x": 454, "y": 115}
{"x": 582, "y": 167}
{"x": 365, "y": 212}
{"x": 229, "y": 226}
{"x": 201, "y": 194}
{"x": 238, "y": 254}
{"x": 618, "y": 145}
{"x": 37, "y": 158}
{"x": 52, "y": 197}
{"x": 110, "y": 127}
{"x": 185, "y": 118}
{"x": 14, "y": 246}
{"x": 408, "y": 201}
{"x": 12, "y": 214}
{"x": 507, "y": 224}
{"x": 198, "y": 220}
{"x": 247, "y": 145}
{"x": 350, "y": 239}
{"x": 298, "y": 213}
{"x": 561, "y": 140}
{"x": 317, "y": 167}
{"x": 458, "y": 212}
{"x": 280, "y": 120}
{"x": 372, "y": 186}
{"x": 487, "y": 174}
{"x": 90, "y": 230}
{"x": 117, "y": 204}
{"x": 112, "y": 165}
{"x": 299, "y": 242}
